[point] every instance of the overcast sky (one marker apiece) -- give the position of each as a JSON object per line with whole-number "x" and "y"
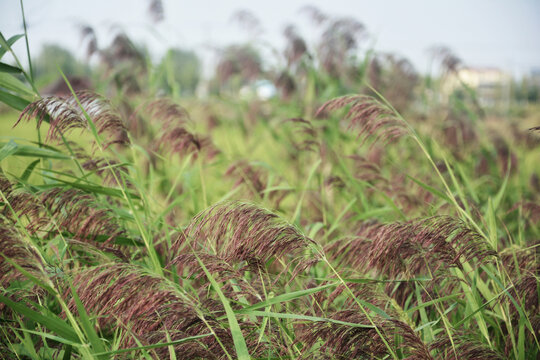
{"x": 494, "y": 33}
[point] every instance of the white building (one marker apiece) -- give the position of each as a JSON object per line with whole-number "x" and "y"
{"x": 492, "y": 85}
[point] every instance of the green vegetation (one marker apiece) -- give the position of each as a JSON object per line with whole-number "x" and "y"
{"x": 53, "y": 57}
{"x": 148, "y": 223}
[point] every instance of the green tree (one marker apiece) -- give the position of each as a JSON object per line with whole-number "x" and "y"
{"x": 51, "y": 58}
{"x": 181, "y": 71}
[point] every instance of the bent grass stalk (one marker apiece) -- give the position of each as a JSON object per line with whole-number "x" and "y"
{"x": 50, "y": 287}
{"x": 149, "y": 246}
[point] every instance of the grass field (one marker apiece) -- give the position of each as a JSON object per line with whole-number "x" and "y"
{"x": 316, "y": 225}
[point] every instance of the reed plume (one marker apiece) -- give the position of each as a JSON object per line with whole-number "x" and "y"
{"x": 156, "y": 11}
{"x": 80, "y": 214}
{"x": 304, "y": 135}
{"x": 240, "y": 61}
{"x": 342, "y": 341}
{"x": 339, "y": 39}
{"x": 65, "y": 115}
{"x": 165, "y": 112}
{"x": 235, "y": 284}
{"x": 394, "y": 77}
{"x": 255, "y": 180}
{"x": 244, "y": 232}
{"x": 408, "y": 248}
{"x": 111, "y": 171}
{"x": 248, "y": 21}
{"x": 88, "y": 34}
{"x": 315, "y": 14}
{"x": 368, "y": 116}
{"x": 529, "y": 209}
{"x": 13, "y": 249}
{"x": 72, "y": 211}
{"x": 462, "y": 347}
{"x": 519, "y": 261}
{"x": 424, "y": 247}
{"x": 449, "y": 61}
{"x": 173, "y": 134}
{"x": 286, "y": 84}
{"x": 148, "y": 309}
{"x": 347, "y": 341}
{"x": 296, "y": 45}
